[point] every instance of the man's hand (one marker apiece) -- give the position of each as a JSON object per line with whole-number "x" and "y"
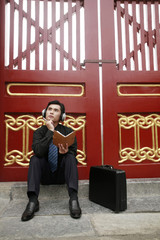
{"x": 50, "y": 125}
{"x": 63, "y": 149}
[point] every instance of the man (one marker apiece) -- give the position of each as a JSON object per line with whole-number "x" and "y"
{"x": 42, "y": 168}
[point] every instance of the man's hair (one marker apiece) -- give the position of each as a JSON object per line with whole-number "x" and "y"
{"x": 57, "y": 103}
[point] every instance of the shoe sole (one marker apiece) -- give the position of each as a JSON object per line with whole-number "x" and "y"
{"x": 74, "y": 216}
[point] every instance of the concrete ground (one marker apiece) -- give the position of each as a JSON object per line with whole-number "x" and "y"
{"x": 141, "y": 220}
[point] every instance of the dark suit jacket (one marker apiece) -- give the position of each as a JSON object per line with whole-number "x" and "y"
{"x": 42, "y": 137}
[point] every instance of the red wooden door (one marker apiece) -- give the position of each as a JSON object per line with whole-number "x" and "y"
{"x": 40, "y": 61}
{"x": 131, "y": 89}
{"x": 42, "y": 49}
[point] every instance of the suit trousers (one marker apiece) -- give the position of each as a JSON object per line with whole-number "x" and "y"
{"x": 39, "y": 173}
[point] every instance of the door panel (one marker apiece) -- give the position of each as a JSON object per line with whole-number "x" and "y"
{"x": 131, "y": 88}
{"x": 28, "y": 84}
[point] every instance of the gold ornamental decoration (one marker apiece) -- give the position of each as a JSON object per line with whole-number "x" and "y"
{"x": 58, "y": 89}
{"x": 138, "y": 125}
{"x": 21, "y": 128}
{"x": 148, "y": 90}
{"x": 78, "y": 124}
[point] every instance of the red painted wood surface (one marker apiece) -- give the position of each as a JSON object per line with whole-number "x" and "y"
{"x": 37, "y": 35}
{"x": 113, "y": 75}
{"x": 157, "y": 32}
{"x": 130, "y": 69}
{"x": 87, "y": 105}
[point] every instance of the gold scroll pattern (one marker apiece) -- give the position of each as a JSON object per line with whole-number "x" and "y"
{"x": 138, "y": 122}
{"x": 27, "y": 123}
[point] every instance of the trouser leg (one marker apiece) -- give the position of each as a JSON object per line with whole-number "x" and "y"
{"x": 39, "y": 172}
{"x": 70, "y": 171}
{"x": 34, "y": 174}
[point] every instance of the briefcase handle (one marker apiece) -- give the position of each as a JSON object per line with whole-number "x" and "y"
{"x": 108, "y": 166}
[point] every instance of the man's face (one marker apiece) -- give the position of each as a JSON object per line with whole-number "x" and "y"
{"x": 53, "y": 113}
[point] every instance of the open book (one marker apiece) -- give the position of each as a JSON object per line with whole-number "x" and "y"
{"x": 59, "y": 138}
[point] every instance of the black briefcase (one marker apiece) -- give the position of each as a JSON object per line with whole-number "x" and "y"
{"x": 107, "y": 187}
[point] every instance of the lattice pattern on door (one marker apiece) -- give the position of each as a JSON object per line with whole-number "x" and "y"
{"x": 44, "y": 34}
{"x": 137, "y": 35}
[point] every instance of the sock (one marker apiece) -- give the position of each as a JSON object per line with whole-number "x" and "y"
{"x": 73, "y": 194}
{"x": 32, "y": 197}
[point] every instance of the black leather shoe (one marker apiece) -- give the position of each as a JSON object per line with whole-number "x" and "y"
{"x": 30, "y": 210}
{"x": 75, "y": 210}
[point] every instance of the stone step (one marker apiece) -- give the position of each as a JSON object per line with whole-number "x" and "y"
{"x": 135, "y": 188}
{"x": 143, "y": 187}
{"x": 52, "y": 221}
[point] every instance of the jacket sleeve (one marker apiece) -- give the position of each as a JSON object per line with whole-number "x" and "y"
{"x": 41, "y": 141}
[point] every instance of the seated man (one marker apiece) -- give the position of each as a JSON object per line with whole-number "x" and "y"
{"x": 52, "y": 165}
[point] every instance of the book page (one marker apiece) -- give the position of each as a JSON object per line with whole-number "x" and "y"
{"x": 59, "y": 138}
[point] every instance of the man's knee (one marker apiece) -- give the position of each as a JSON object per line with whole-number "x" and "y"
{"x": 70, "y": 159}
{"x": 34, "y": 161}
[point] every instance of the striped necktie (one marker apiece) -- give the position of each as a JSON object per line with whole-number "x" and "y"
{"x": 53, "y": 157}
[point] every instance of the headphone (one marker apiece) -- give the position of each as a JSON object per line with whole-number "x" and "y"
{"x": 63, "y": 114}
